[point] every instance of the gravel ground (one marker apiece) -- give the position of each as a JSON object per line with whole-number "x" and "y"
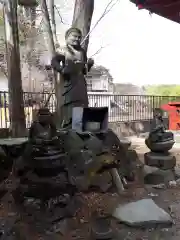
{"x": 78, "y": 227}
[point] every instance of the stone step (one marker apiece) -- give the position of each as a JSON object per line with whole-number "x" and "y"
{"x": 159, "y": 176}
{"x": 163, "y": 161}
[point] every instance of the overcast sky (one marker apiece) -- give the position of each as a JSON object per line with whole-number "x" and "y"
{"x": 140, "y": 49}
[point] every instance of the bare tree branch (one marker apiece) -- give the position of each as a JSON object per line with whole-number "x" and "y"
{"x": 99, "y": 50}
{"x": 59, "y": 14}
{"x": 53, "y": 21}
{"x": 107, "y": 9}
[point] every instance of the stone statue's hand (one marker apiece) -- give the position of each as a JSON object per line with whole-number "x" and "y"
{"x": 90, "y": 62}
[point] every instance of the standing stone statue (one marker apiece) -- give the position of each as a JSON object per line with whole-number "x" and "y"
{"x": 73, "y": 65}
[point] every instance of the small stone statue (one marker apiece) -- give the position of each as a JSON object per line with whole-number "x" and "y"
{"x": 158, "y": 130}
{"x": 43, "y": 128}
{"x": 73, "y": 65}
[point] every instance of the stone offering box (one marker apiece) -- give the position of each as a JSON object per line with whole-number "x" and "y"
{"x": 95, "y": 119}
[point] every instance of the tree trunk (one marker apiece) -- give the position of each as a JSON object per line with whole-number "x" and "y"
{"x": 47, "y": 22}
{"x": 83, "y": 12}
{"x": 53, "y": 21}
{"x": 16, "y": 104}
{"x": 52, "y": 52}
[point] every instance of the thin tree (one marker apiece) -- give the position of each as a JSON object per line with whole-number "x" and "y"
{"x": 52, "y": 50}
{"x": 16, "y": 104}
{"x": 53, "y": 20}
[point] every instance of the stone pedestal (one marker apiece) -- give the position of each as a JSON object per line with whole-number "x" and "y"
{"x": 163, "y": 160}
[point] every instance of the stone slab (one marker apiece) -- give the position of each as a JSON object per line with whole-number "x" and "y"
{"x": 142, "y": 213}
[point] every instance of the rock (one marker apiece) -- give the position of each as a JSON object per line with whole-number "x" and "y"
{"x": 7, "y": 227}
{"x": 143, "y": 213}
{"x": 177, "y": 172}
{"x": 159, "y": 176}
{"x": 153, "y": 195}
{"x": 148, "y": 170}
{"x": 101, "y": 228}
{"x": 2, "y": 153}
{"x": 161, "y": 160}
{"x": 102, "y": 181}
{"x": 172, "y": 184}
{"x": 159, "y": 186}
{"x": 178, "y": 182}
{"x": 59, "y": 227}
{"x": 175, "y": 210}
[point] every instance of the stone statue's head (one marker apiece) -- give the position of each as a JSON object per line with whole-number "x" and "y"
{"x": 73, "y": 37}
{"x": 158, "y": 113}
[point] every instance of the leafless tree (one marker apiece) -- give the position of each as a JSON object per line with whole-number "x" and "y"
{"x": 16, "y": 106}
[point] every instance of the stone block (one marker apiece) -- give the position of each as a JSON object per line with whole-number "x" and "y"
{"x": 142, "y": 213}
{"x": 159, "y": 176}
{"x": 163, "y": 161}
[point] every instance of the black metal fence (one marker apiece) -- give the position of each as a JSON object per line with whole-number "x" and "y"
{"x": 122, "y": 108}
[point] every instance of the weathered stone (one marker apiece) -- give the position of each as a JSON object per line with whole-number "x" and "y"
{"x": 73, "y": 141}
{"x": 162, "y": 146}
{"x": 161, "y": 160}
{"x": 94, "y": 144}
{"x": 143, "y": 213}
{"x": 172, "y": 184}
{"x": 148, "y": 170}
{"x": 101, "y": 228}
{"x": 159, "y": 186}
{"x": 159, "y": 140}
{"x": 177, "y": 172}
{"x": 102, "y": 181}
{"x": 159, "y": 176}
{"x": 74, "y": 205}
{"x": 59, "y": 227}
{"x": 2, "y": 153}
{"x": 7, "y": 227}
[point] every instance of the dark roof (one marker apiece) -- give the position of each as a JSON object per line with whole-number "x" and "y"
{"x": 169, "y": 9}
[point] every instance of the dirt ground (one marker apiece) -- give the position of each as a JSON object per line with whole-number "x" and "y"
{"x": 79, "y": 227}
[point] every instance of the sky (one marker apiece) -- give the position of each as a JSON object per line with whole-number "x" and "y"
{"x": 139, "y": 48}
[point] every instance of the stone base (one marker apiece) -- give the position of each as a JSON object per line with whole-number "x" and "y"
{"x": 163, "y": 161}
{"x": 159, "y": 176}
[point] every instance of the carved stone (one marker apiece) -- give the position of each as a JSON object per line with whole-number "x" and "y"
{"x": 163, "y": 146}
{"x": 72, "y": 63}
{"x": 159, "y": 142}
{"x": 161, "y": 160}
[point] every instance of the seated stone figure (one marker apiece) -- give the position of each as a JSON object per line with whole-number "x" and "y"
{"x": 159, "y": 139}
{"x": 44, "y": 143}
{"x": 43, "y": 129}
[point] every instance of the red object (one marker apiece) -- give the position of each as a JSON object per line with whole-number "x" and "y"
{"x": 166, "y": 8}
{"x": 140, "y": 6}
{"x": 173, "y": 109}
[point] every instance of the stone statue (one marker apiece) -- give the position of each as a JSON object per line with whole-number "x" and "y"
{"x": 73, "y": 65}
{"x": 43, "y": 129}
{"x": 159, "y": 139}
{"x": 158, "y": 130}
